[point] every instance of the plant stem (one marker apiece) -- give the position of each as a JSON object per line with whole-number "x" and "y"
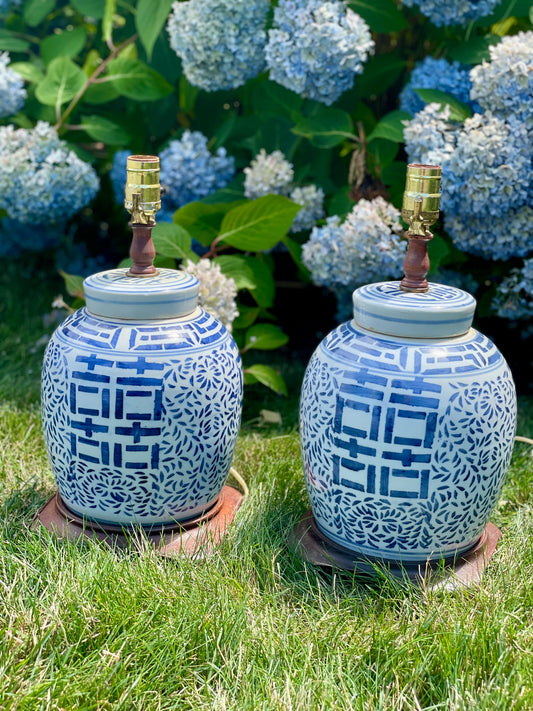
{"x": 70, "y": 108}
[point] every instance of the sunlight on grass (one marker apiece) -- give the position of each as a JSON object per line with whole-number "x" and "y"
{"x": 253, "y": 627}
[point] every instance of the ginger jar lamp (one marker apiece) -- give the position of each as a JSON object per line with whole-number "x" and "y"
{"x": 407, "y": 420}
{"x": 141, "y": 401}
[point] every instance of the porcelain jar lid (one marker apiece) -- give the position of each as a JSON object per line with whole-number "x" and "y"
{"x": 441, "y": 312}
{"x": 114, "y": 294}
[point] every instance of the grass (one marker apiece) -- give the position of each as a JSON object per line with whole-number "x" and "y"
{"x": 254, "y": 627}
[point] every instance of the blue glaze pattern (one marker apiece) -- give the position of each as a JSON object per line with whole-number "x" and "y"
{"x": 405, "y": 444}
{"x": 141, "y": 418}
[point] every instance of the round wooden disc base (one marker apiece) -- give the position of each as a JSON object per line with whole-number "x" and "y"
{"x": 462, "y": 570}
{"x": 196, "y": 538}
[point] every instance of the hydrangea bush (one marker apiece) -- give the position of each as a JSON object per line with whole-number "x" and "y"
{"x": 283, "y": 129}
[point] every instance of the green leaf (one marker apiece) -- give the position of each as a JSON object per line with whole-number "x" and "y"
{"x": 458, "y": 110}
{"x": 73, "y": 284}
{"x": 90, "y": 8}
{"x": 381, "y": 16}
{"x": 381, "y": 153}
{"x": 100, "y": 94}
{"x": 171, "y": 240}
{"x": 326, "y": 129}
{"x": 62, "y": 82}
{"x": 107, "y": 20}
{"x": 474, "y": 50}
{"x": 136, "y": 80}
{"x": 187, "y": 95}
{"x": 36, "y": 10}
{"x": 149, "y": 20}
{"x": 10, "y": 43}
{"x": 295, "y": 250}
{"x": 380, "y": 72}
{"x": 202, "y": 221}
{"x": 247, "y": 315}
{"x": 235, "y": 267}
{"x": 258, "y": 224}
{"x": 391, "y": 127}
{"x": 28, "y": 71}
{"x": 264, "y": 337}
{"x": 271, "y": 99}
{"x": 64, "y": 44}
{"x": 105, "y": 130}
{"x": 266, "y": 376}
{"x": 265, "y": 290}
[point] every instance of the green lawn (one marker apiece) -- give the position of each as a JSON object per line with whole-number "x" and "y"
{"x": 253, "y": 627}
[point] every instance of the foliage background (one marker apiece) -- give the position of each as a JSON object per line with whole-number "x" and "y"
{"x": 103, "y": 73}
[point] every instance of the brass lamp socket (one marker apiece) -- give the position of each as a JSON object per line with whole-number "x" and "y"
{"x": 420, "y": 208}
{"x": 143, "y": 191}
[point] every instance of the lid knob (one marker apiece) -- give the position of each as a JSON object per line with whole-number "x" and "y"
{"x": 142, "y": 200}
{"x": 420, "y": 209}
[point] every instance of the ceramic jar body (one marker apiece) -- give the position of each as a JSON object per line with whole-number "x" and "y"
{"x": 141, "y": 417}
{"x": 405, "y": 442}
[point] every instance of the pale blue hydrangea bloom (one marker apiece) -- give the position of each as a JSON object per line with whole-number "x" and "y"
{"x": 430, "y": 137}
{"x": 41, "y": 180}
{"x": 317, "y": 47}
{"x": 489, "y": 172}
{"x": 12, "y": 91}
{"x": 452, "y": 78}
{"x": 268, "y": 173}
{"x": 514, "y": 298}
{"x": 486, "y": 164}
{"x": 311, "y": 199}
{"x": 453, "y": 12}
{"x": 365, "y": 247}
{"x": 220, "y": 42}
{"x": 17, "y": 237}
{"x": 217, "y": 292}
{"x": 189, "y": 172}
{"x": 507, "y": 235}
{"x": 505, "y": 84}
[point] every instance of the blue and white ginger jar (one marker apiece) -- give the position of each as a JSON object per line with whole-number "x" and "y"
{"x": 407, "y": 423}
{"x": 141, "y": 401}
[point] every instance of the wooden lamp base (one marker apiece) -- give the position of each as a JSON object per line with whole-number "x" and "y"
{"x": 462, "y": 570}
{"x": 196, "y": 538}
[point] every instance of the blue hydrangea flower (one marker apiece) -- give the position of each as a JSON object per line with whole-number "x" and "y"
{"x": 489, "y": 172}
{"x": 486, "y": 164}
{"x": 317, "y": 47}
{"x": 311, "y": 199}
{"x": 453, "y": 12}
{"x": 188, "y": 172}
{"x": 17, "y": 237}
{"x": 507, "y": 235}
{"x": 220, "y": 42}
{"x": 365, "y": 247}
{"x": 12, "y": 91}
{"x": 514, "y": 298}
{"x": 268, "y": 173}
{"x": 41, "y": 180}
{"x": 505, "y": 84}
{"x": 430, "y": 137}
{"x": 452, "y": 78}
